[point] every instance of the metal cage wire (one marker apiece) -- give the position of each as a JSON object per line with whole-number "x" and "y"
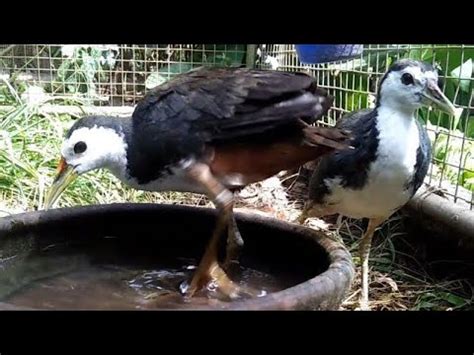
{"x": 119, "y": 75}
{"x": 109, "y": 75}
{"x": 354, "y": 84}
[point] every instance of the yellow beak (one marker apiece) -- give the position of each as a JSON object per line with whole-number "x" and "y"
{"x": 64, "y": 176}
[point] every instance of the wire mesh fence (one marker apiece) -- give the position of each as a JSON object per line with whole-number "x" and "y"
{"x": 117, "y": 76}
{"x": 354, "y": 83}
{"x": 108, "y": 75}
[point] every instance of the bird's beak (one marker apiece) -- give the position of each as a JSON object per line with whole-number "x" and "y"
{"x": 434, "y": 96}
{"x": 64, "y": 176}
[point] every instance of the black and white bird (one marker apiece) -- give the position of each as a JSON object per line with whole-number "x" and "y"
{"x": 208, "y": 131}
{"x": 390, "y": 160}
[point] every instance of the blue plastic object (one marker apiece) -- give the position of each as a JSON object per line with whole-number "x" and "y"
{"x": 324, "y": 53}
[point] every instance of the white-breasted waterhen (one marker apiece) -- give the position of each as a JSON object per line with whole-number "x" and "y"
{"x": 211, "y": 131}
{"x": 390, "y": 160}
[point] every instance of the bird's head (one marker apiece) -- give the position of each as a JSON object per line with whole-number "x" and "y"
{"x": 410, "y": 84}
{"x": 93, "y": 142}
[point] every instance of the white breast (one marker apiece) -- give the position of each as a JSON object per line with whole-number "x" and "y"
{"x": 385, "y": 189}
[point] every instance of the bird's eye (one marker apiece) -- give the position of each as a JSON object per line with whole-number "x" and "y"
{"x": 80, "y": 147}
{"x": 407, "y": 79}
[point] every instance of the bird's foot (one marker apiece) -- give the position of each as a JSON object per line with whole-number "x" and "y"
{"x": 215, "y": 279}
{"x": 301, "y": 219}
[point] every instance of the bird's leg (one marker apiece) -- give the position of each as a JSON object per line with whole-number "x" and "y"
{"x": 364, "y": 251}
{"x": 235, "y": 242}
{"x": 305, "y": 214}
{"x": 209, "y": 269}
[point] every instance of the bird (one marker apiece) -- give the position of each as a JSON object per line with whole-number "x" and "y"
{"x": 211, "y": 131}
{"x": 390, "y": 159}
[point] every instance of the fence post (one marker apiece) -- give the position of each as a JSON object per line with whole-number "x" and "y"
{"x": 251, "y": 52}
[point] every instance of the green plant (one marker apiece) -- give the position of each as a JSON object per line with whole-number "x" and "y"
{"x": 30, "y": 142}
{"x": 453, "y": 149}
{"x": 439, "y": 300}
{"x": 455, "y": 64}
{"x": 79, "y": 72}
{"x": 453, "y": 153}
{"x": 219, "y": 56}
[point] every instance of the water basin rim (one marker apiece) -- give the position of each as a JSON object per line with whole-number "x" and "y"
{"x": 334, "y": 281}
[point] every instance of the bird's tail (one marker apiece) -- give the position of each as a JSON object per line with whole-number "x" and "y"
{"x": 330, "y": 137}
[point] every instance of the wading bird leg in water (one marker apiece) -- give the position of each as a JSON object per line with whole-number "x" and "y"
{"x": 209, "y": 269}
{"x": 235, "y": 243}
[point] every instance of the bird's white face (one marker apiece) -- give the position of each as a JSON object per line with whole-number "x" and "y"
{"x": 93, "y": 148}
{"x": 410, "y": 88}
{"x": 87, "y": 148}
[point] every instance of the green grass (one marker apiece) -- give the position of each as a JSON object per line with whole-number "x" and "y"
{"x": 29, "y": 152}
{"x": 400, "y": 277}
{"x": 30, "y": 142}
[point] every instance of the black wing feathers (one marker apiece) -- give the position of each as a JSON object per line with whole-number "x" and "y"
{"x": 228, "y": 103}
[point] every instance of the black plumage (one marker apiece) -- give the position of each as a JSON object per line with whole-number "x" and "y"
{"x": 423, "y": 157}
{"x": 390, "y": 159}
{"x": 352, "y": 164}
{"x": 213, "y": 106}
{"x": 211, "y": 130}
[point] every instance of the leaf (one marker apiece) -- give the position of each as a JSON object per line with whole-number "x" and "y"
{"x": 154, "y": 80}
{"x": 453, "y": 299}
{"x": 359, "y": 99}
{"x": 426, "y": 301}
{"x": 354, "y": 64}
{"x": 427, "y": 54}
{"x": 415, "y": 54}
{"x": 463, "y": 74}
{"x": 459, "y": 153}
{"x": 176, "y": 68}
{"x": 468, "y": 177}
{"x": 470, "y": 127}
{"x": 423, "y": 115}
{"x": 64, "y": 69}
{"x": 356, "y": 101}
{"x": 457, "y": 117}
{"x": 450, "y": 58}
{"x": 426, "y": 305}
